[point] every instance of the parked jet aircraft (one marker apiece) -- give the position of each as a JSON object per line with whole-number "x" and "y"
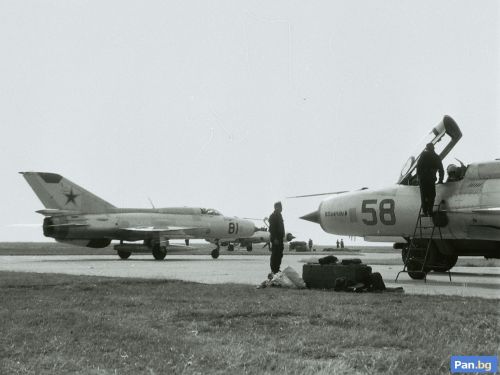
{"x": 78, "y": 217}
{"x": 467, "y": 217}
{"x": 260, "y": 236}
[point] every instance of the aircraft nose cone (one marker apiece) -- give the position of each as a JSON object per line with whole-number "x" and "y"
{"x": 313, "y": 216}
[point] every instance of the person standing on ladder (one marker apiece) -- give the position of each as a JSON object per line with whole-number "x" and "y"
{"x": 428, "y": 164}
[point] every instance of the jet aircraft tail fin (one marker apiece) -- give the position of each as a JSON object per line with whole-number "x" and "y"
{"x": 57, "y": 192}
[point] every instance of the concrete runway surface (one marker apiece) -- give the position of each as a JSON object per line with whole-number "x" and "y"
{"x": 249, "y": 269}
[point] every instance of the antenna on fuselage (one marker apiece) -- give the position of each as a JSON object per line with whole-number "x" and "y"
{"x": 150, "y": 201}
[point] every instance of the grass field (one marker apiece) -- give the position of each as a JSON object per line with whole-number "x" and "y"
{"x": 57, "y": 324}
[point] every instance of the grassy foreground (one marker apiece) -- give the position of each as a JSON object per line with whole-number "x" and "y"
{"x": 59, "y": 324}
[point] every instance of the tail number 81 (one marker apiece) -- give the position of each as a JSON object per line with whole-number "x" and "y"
{"x": 385, "y": 208}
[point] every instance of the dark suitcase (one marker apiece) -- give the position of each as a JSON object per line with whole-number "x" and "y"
{"x": 351, "y": 261}
{"x": 323, "y": 276}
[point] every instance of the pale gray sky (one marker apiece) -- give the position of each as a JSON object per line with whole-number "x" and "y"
{"x": 236, "y": 104}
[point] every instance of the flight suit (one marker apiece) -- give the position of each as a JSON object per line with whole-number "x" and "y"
{"x": 276, "y": 232}
{"x": 428, "y": 164}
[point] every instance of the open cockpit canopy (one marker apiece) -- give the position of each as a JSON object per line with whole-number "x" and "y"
{"x": 444, "y": 136}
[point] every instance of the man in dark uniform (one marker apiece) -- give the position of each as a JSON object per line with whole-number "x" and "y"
{"x": 276, "y": 232}
{"x": 427, "y": 166}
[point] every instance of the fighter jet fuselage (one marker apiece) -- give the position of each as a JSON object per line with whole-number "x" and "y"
{"x": 465, "y": 219}
{"x": 391, "y": 213}
{"x": 143, "y": 221}
{"x": 78, "y": 217}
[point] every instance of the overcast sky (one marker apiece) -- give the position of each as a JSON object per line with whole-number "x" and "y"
{"x": 236, "y": 104}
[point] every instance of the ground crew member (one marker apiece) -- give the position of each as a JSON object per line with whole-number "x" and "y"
{"x": 310, "y": 244}
{"x": 428, "y": 164}
{"x": 341, "y": 243}
{"x": 277, "y": 233}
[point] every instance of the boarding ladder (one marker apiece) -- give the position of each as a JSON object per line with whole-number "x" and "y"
{"x": 419, "y": 245}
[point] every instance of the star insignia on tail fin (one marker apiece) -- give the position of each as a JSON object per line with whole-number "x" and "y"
{"x": 71, "y": 197}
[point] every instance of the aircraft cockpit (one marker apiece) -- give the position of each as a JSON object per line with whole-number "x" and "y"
{"x": 210, "y": 211}
{"x": 455, "y": 172}
{"x": 444, "y": 137}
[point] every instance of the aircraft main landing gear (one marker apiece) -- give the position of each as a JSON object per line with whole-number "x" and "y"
{"x": 159, "y": 252}
{"x": 123, "y": 254}
{"x": 414, "y": 265}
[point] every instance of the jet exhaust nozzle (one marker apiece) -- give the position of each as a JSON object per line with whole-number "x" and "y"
{"x": 313, "y": 217}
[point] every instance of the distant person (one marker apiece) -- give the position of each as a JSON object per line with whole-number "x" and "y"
{"x": 338, "y": 243}
{"x": 310, "y": 244}
{"x": 341, "y": 243}
{"x": 428, "y": 164}
{"x": 276, "y": 233}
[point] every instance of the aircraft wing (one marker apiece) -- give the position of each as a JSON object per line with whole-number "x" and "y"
{"x": 489, "y": 211}
{"x": 485, "y": 211}
{"x": 166, "y": 231}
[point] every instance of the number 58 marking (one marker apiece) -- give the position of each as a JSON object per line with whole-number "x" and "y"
{"x": 386, "y": 211}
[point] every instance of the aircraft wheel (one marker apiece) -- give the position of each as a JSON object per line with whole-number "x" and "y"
{"x": 230, "y": 247}
{"x": 215, "y": 253}
{"x": 249, "y": 247}
{"x": 414, "y": 270}
{"x": 123, "y": 254}
{"x": 159, "y": 252}
{"x": 445, "y": 263}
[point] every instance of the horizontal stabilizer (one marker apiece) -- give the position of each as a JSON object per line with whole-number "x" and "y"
{"x": 57, "y": 212}
{"x": 67, "y": 225}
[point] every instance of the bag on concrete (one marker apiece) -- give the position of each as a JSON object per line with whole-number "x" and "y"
{"x": 340, "y": 284}
{"x": 324, "y": 276}
{"x": 280, "y": 279}
{"x": 376, "y": 282}
{"x": 328, "y": 259}
{"x": 351, "y": 261}
{"x": 294, "y": 277}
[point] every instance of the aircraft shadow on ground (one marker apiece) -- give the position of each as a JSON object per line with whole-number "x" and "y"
{"x": 443, "y": 283}
{"x": 482, "y": 274}
{"x": 131, "y": 261}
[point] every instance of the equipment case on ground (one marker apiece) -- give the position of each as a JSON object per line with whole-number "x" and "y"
{"x": 323, "y": 276}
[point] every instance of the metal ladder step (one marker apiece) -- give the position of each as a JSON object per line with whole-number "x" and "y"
{"x": 412, "y": 246}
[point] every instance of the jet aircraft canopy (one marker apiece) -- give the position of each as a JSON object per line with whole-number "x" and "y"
{"x": 444, "y": 137}
{"x": 210, "y": 211}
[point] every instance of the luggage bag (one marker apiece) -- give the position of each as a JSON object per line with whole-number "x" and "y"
{"x": 323, "y": 276}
